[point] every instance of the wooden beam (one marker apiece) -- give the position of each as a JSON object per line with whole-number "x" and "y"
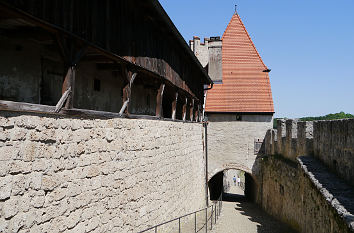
{"x": 196, "y": 113}
{"x": 25, "y": 107}
{"x": 69, "y": 83}
{"x": 191, "y": 110}
{"x": 159, "y": 99}
{"x": 62, "y": 100}
{"x": 127, "y": 91}
{"x": 184, "y": 111}
{"x": 174, "y": 107}
{"x": 82, "y": 113}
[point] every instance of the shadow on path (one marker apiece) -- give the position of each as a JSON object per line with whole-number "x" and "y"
{"x": 246, "y": 216}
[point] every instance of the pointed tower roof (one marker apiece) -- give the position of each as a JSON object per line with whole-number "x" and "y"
{"x": 245, "y": 86}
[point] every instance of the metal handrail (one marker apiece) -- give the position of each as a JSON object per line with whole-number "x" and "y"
{"x": 219, "y": 202}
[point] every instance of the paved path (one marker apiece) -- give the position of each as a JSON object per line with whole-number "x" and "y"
{"x": 240, "y": 216}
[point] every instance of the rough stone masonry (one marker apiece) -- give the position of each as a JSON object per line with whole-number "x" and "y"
{"x": 60, "y": 174}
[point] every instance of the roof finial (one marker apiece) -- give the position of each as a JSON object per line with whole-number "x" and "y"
{"x": 235, "y": 9}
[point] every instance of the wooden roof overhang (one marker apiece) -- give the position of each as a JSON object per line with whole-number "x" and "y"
{"x": 161, "y": 18}
{"x": 9, "y": 12}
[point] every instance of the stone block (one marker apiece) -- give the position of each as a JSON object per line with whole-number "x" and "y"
{"x": 49, "y": 183}
{"x": 38, "y": 200}
{"x": 5, "y": 187}
{"x": 73, "y": 219}
{"x": 19, "y": 185}
{"x": 16, "y": 223}
{"x": 18, "y": 134}
{"x": 281, "y": 133}
{"x": 35, "y": 180}
{"x": 10, "y": 207}
{"x": 7, "y": 153}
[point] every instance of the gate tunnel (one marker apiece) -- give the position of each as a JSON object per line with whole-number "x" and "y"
{"x": 216, "y": 186}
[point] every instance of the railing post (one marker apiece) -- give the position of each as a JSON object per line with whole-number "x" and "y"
{"x": 206, "y": 220}
{"x": 211, "y": 219}
{"x": 155, "y": 229}
{"x": 179, "y": 225}
{"x": 215, "y": 212}
{"x": 195, "y": 222}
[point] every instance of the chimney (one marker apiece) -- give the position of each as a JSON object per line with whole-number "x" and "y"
{"x": 215, "y": 59}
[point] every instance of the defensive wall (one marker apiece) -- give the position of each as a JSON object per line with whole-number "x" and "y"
{"x": 305, "y": 177}
{"x": 65, "y": 174}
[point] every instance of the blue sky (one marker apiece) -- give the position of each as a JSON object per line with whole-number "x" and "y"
{"x": 308, "y": 44}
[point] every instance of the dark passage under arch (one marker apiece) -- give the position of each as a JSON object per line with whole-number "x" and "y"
{"x": 216, "y": 186}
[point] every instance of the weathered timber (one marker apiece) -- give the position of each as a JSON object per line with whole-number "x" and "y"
{"x": 127, "y": 91}
{"x": 82, "y": 113}
{"x": 174, "y": 107}
{"x": 196, "y": 113}
{"x": 69, "y": 83}
{"x": 184, "y": 111}
{"x": 25, "y": 107}
{"x": 159, "y": 98}
{"x": 164, "y": 60}
{"x": 62, "y": 100}
{"x": 191, "y": 110}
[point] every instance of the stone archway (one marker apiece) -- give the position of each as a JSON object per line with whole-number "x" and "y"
{"x": 215, "y": 181}
{"x": 228, "y": 166}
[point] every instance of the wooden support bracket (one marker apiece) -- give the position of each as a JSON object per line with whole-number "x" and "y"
{"x": 62, "y": 100}
{"x": 191, "y": 110}
{"x": 196, "y": 113}
{"x": 185, "y": 110}
{"x": 69, "y": 83}
{"x": 159, "y": 99}
{"x": 174, "y": 107}
{"x": 127, "y": 91}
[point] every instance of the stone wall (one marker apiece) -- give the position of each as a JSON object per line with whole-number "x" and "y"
{"x": 231, "y": 142}
{"x": 331, "y": 142}
{"x": 296, "y": 195}
{"x": 82, "y": 175}
{"x": 299, "y": 183}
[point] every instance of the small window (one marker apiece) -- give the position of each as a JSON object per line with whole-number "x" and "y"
{"x": 97, "y": 85}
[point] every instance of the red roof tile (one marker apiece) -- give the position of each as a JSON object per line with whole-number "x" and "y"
{"x": 245, "y": 87}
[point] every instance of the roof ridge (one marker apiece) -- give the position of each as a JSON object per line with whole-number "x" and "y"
{"x": 254, "y": 47}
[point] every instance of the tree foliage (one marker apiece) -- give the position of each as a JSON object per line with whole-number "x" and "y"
{"x": 332, "y": 116}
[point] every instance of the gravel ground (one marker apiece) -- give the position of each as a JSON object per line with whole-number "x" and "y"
{"x": 240, "y": 216}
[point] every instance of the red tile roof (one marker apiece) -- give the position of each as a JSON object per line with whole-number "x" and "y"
{"x": 245, "y": 87}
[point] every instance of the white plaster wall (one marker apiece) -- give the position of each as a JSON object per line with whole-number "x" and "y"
{"x": 231, "y": 142}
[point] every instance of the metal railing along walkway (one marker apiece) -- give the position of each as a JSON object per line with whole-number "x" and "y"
{"x": 215, "y": 211}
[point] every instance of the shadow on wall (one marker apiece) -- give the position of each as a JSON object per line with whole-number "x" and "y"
{"x": 216, "y": 187}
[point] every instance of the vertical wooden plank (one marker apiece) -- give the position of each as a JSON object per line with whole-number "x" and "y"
{"x": 174, "y": 107}
{"x": 159, "y": 99}
{"x": 196, "y": 113}
{"x": 191, "y": 110}
{"x": 127, "y": 90}
{"x": 69, "y": 82}
{"x": 184, "y": 113}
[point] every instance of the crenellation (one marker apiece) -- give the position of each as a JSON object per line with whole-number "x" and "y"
{"x": 331, "y": 142}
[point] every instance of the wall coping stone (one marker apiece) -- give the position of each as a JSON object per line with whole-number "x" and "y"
{"x": 338, "y": 194}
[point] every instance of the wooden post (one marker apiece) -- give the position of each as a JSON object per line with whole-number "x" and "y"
{"x": 174, "y": 107}
{"x": 184, "y": 116}
{"x": 69, "y": 83}
{"x": 196, "y": 113}
{"x": 127, "y": 91}
{"x": 191, "y": 110}
{"x": 159, "y": 99}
